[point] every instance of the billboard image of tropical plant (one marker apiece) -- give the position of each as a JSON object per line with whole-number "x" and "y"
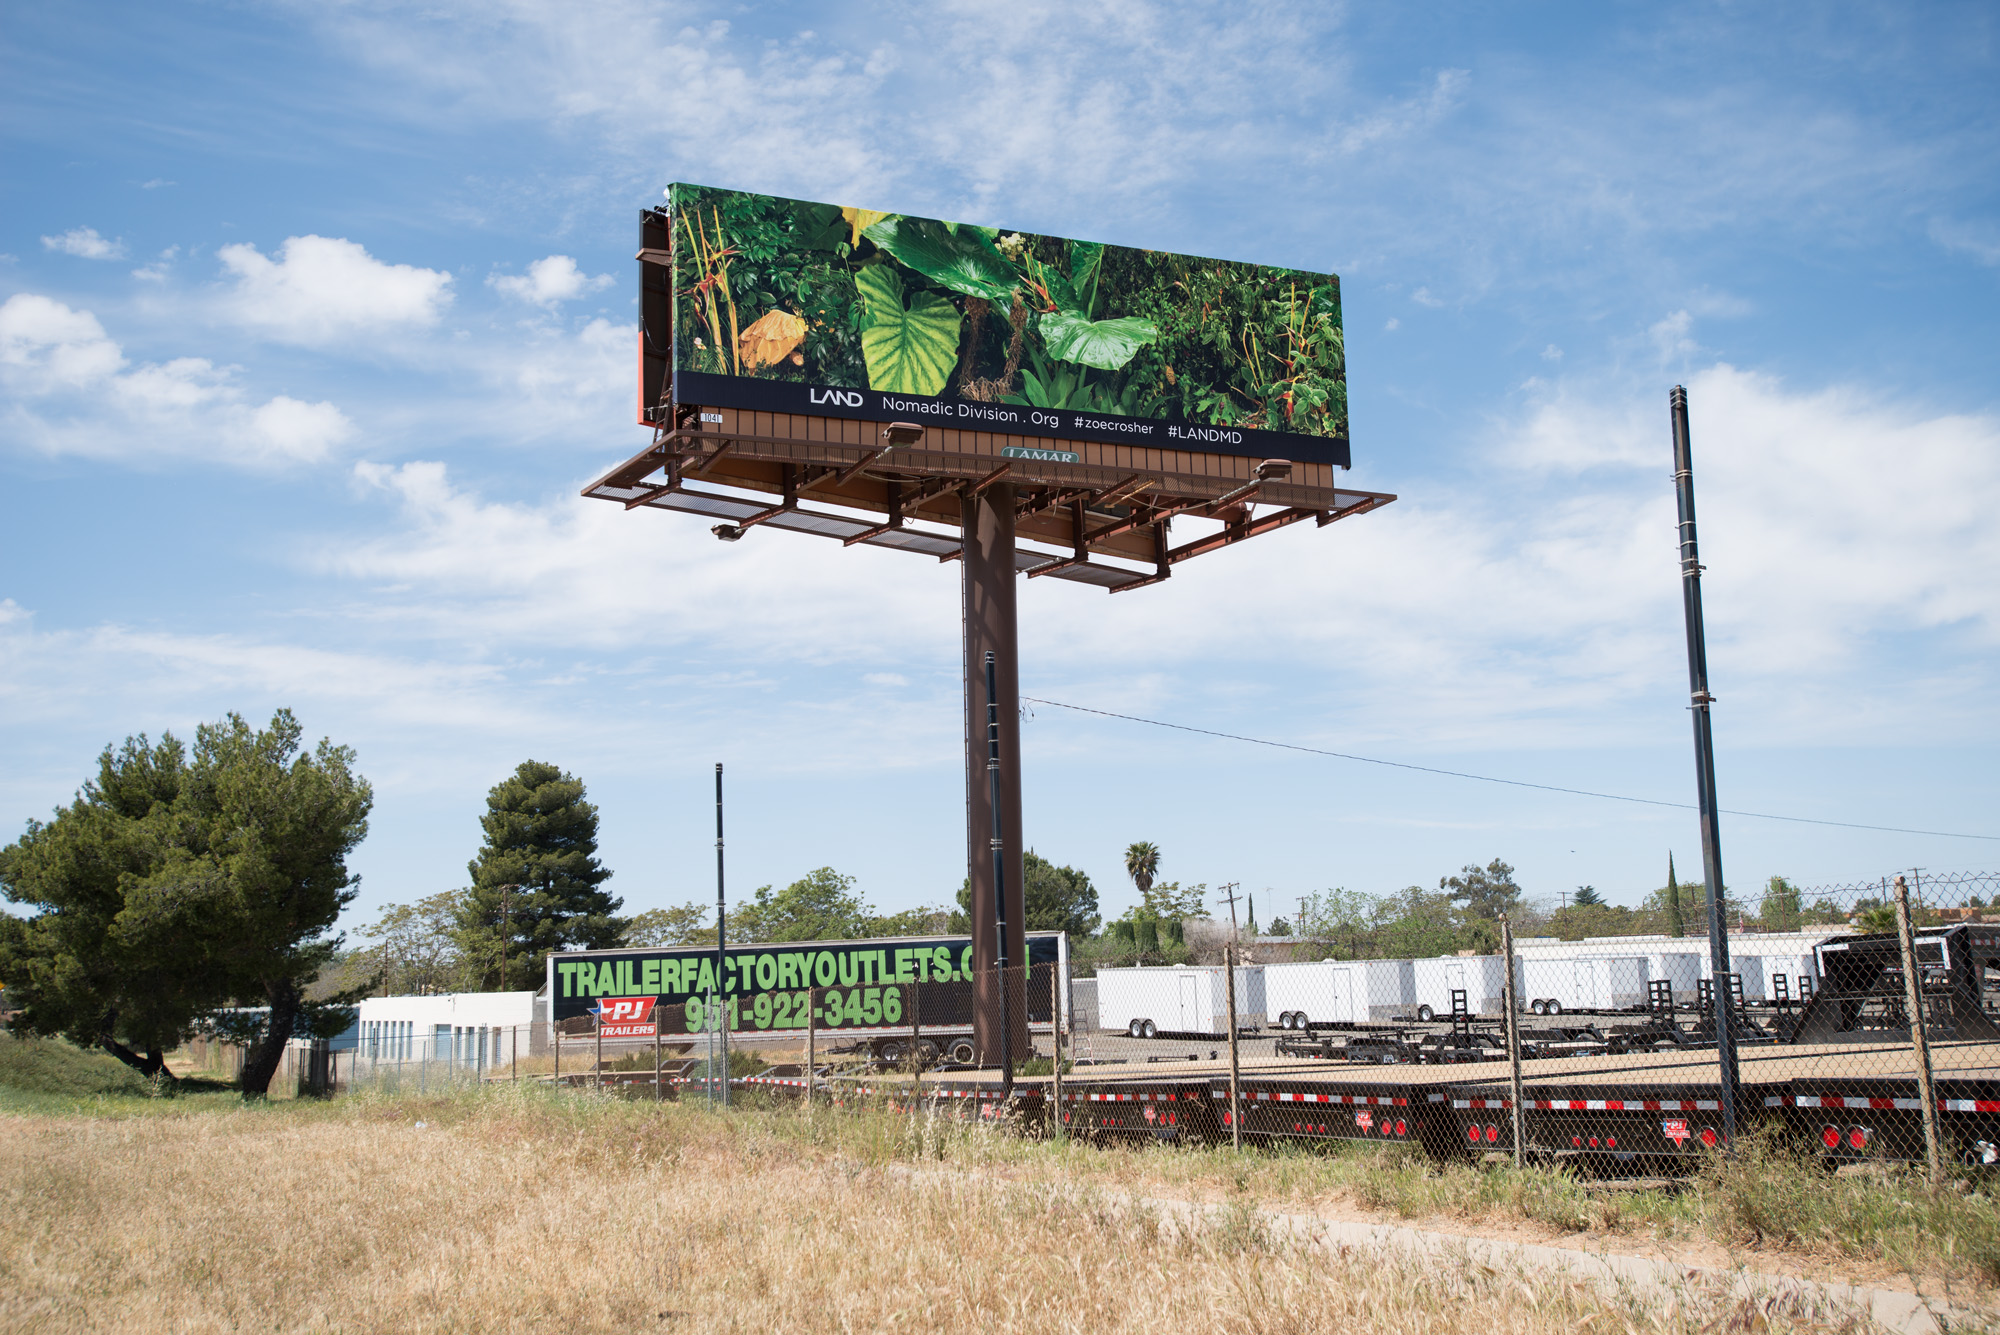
{"x": 1000, "y": 329}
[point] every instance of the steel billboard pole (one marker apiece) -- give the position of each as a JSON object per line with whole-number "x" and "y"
{"x": 993, "y": 798}
{"x": 1704, "y": 764}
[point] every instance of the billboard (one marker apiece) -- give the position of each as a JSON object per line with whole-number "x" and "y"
{"x": 860, "y": 984}
{"x": 765, "y": 304}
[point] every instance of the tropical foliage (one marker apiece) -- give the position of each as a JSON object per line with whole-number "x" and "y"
{"x": 784, "y": 289}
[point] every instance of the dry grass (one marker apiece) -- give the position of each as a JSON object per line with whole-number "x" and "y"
{"x": 518, "y": 1209}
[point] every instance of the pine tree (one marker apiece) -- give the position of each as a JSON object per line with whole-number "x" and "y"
{"x": 536, "y": 882}
{"x": 1676, "y": 925}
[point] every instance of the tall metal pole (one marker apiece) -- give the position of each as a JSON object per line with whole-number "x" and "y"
{"x": 999, "y": 845}
{"x": 1704, "y": 765}
{"x": 720, "y": 1016}
{"x": 1235, "y": 1074}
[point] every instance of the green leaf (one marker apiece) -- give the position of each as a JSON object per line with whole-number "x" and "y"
{"x": 963, "y": 261}
{"x": 1105, "y": 344}
{"x": 908, "y": 351}
{"x": 1086, "y": 261}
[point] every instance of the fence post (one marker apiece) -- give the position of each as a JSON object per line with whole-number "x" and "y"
{"x": 555, "y": 1038}
{"x": 1055, "y": 1044}
{"x": 658, "y": 1093}
{"x": 1235, "y": 1108}
{"x": 812, "y": 1031}
{"x": 1512, "y": 1000}
{"x": 1913, "y": 993}
{"x": 597, "y": 1068}
{"x": 514, "y": 1053}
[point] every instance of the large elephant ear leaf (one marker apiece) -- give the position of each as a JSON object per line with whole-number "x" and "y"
{"x": 909, "y": 350}
{"x": 1105, "y": 344}
{"x": 963, "y": 261}
{"x": 1086, "y": 261}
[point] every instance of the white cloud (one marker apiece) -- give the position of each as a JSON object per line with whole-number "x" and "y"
{"x": 1979, "y": 241}
{"x": 1670, "y": 336}
{"x": 548, "y": 282}
{"x": 1392, "y": 324}
{"x": 1552, "y": 353}
{"x": 73, "y": 395}
{"x": 45, "y": 346}
{"x": 1422, "y": 296}
{"x": 319, "y": 289}
{"x": 85, "y": 243}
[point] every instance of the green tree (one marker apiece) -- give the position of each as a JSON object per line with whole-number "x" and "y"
{"x": 1053, "y": 899}
{"x": 819, "y": 906}
{"x": 1676, "y": 922}
{"x": 1340, "y": 915}
{"x": 179, "y": 882}
{"x": 1587, "y": 897}
{"x": 1142, "y": 864}
{"x": 81, "y": 966}
{"x": 1781, "y": 908}
{"x": 1279, "y": 927}
{"x": 1415, "y": 923}
{"x": 268, "y": 829}
{"x": 676, "y": 925}
{"x": 536, "y": 883}
{"x": 420, "y": 951}
{"x": 1486, "y": 892}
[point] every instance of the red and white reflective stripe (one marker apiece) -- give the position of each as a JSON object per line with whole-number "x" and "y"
{"x": 1624, "y": 1105}
{"x": 1140, "y": 1097}
{"x": 1481, "y": 1103}
{"x": 1880, "y": 1105}
{"x": 1351, "y": 1100}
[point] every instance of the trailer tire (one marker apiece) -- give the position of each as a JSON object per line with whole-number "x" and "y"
{"x": 1135, "y": 1029}
{"x": 927, "y": 1051}
{"x": 1552, "y": 1007}
{"x": 1299, "y": 1020}
{"x": 1426, "y": 1014}
{"x": 890, "y": 1050}
{"x": 1147, "y": 1029}
{"x": 961, "y": 1051}
{"x": 1537, "y": 1007}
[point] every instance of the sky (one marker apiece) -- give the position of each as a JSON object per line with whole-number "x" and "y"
{"x": 315, "y": 318}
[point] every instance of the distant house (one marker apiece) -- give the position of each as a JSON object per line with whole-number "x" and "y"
{"x": 464, "y": 1028}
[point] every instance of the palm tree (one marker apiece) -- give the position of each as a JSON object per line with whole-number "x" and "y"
{"x": 1142, "y": 864}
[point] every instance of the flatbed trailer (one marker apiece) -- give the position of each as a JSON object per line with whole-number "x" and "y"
{"x": 1617, "y": 1111}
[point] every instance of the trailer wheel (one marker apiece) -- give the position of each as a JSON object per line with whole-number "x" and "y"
{"x": 1299, "y": 1020}
{"x": 1426, "y": 1014}
{"x": 890, "y": 1050}
{"x": 1147, "y": 1029}
{"x": 960, "y": 1051}
{"x": 927, "y": 1051}
{"x": 1135, "y": 1029}
{"x": 1538, "y": 1007}
{"x": 1552, "y": 1007}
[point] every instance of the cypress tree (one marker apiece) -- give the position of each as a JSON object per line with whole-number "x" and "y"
{"x": 1676, "y": 926}
{"x": 536, "y": 884}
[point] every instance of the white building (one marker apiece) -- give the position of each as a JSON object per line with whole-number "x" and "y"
{"x": 463, "y": 1028}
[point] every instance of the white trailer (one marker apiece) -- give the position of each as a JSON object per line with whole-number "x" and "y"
{"x": 1149, "y": 1000}
{"x": 1551, "y": 985}
{"x": 1483, "y": 979}
{"x": 1333, "y": 991}
{"x": 1681, "y": 968}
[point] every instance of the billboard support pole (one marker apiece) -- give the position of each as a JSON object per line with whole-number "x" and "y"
{"x": 721, "y": 1018}
{"x": 993, "y": 798}
{"x": 1704, "y": 765}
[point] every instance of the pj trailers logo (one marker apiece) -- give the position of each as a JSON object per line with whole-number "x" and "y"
{"x": 625, "y": 1017}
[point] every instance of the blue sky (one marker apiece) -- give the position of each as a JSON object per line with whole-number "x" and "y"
{"x": 316, "y": 317}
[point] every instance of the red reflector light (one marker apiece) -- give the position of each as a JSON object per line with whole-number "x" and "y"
{"x": 1593, "y": 1142}
{"x": 1576, "y": 1142}
{"x": 1857, "y": 1137}
{"x": 1708, "y": 1137}
{"x": 1472, "y": 1134}
{"x": 1829, "y": 1136}
{"x": 1226, "y": 1119}
{"x": 1611, "y": 1142}
{"x": 1400, "y": 1129}
{"x": 1492, "y": 1133}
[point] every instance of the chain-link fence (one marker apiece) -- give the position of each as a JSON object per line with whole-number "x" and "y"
{"x": 1859, "y": 1021}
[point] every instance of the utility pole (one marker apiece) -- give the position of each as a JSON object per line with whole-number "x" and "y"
{"x": 1228, "y": 893}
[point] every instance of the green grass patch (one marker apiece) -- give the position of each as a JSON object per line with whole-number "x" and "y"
{"x": 51, "y": 1076}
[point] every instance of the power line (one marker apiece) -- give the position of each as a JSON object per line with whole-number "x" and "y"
{"x": 1488, "y": 778}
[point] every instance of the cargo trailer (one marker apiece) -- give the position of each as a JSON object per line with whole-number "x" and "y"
{"x": 1481, "y": 977}
{"x": 1321, "y": 992}
{"x": 1177, "y": 999}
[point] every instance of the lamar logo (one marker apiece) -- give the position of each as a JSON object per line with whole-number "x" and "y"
{"x": 839, "y": 398}
{"x": 1675, "y": 1129}
{"x": 625, "y": 1017}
